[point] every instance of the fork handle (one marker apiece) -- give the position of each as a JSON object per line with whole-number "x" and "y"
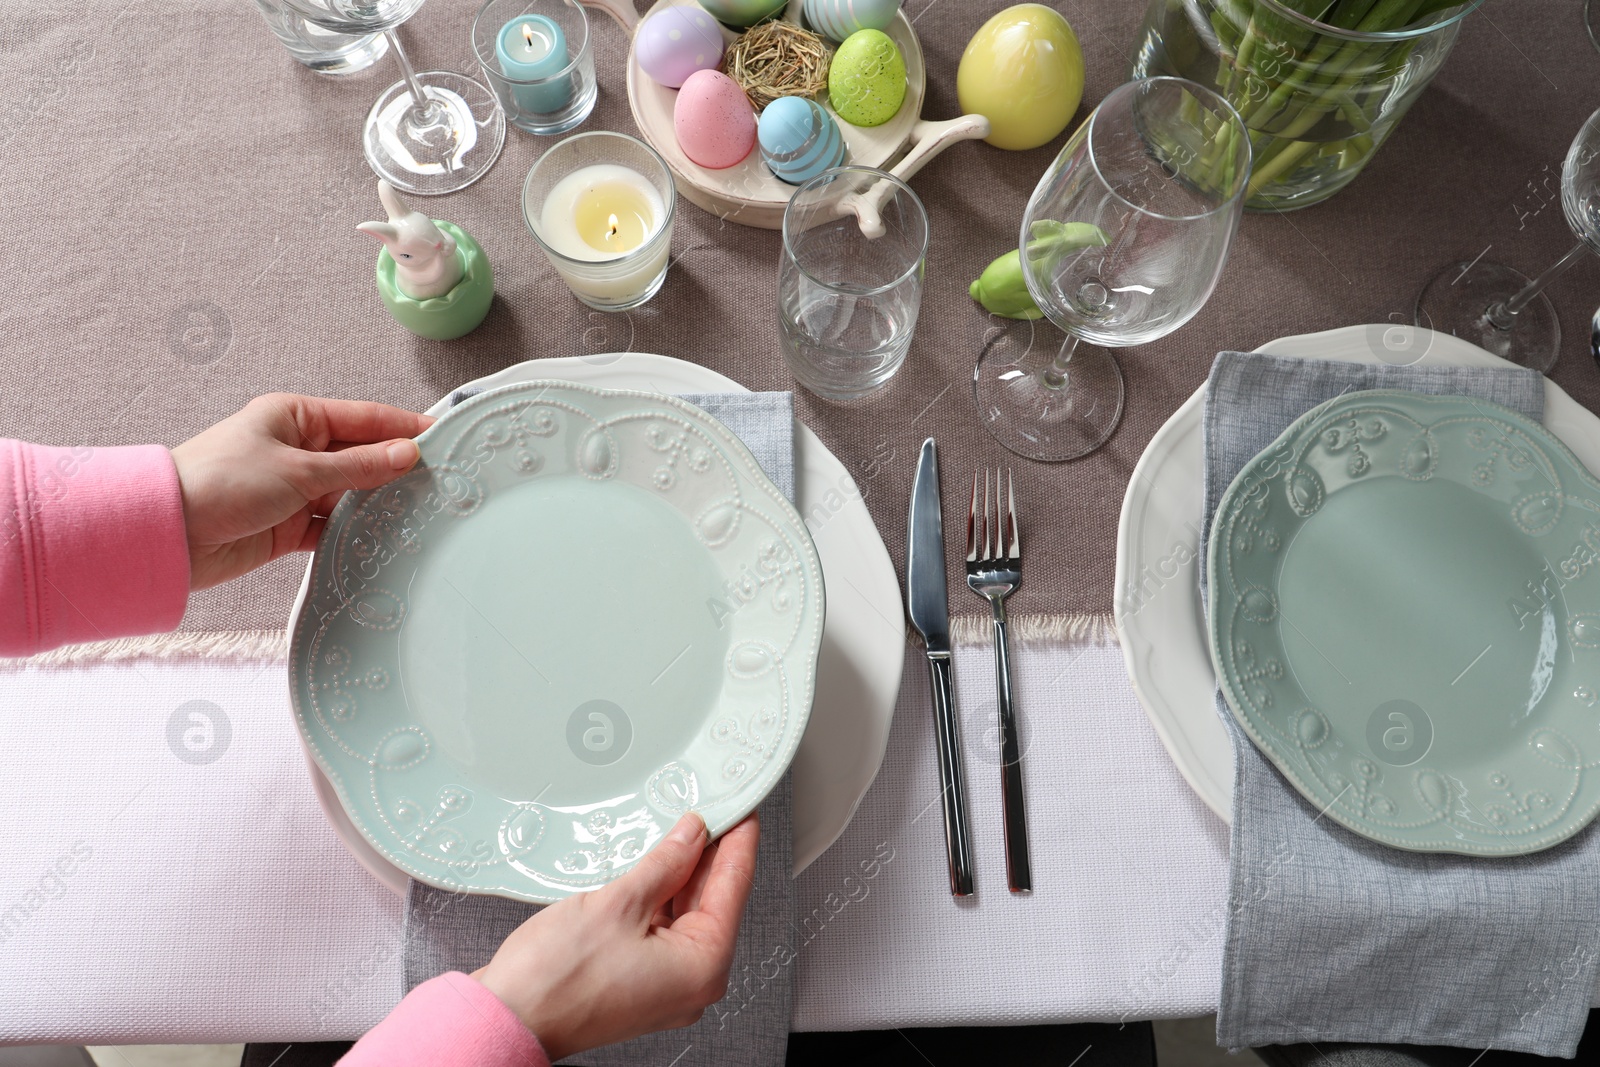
{"x": 1019, "y": 870}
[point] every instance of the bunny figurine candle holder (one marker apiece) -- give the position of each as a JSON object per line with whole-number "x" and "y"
{"x": 433, "y": 277}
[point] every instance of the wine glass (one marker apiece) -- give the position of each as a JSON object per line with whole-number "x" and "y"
{"x": 1502, "y": 311}
{"x": 434, "y": 132}
{"x": 1591, "y": 22}
{"x": 1122, "y": 242}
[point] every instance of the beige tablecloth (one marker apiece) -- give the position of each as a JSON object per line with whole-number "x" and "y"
{"x": 178, "y": 201}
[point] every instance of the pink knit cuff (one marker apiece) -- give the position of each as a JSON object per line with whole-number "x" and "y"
{"x": 448, "y": 1021}
{"x": 92, "y": 545}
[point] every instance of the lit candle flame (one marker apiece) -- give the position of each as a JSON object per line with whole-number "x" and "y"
{"x": 611, "y": 227}
{"x": 527, "y": 33}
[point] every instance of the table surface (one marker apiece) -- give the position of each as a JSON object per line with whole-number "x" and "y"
{"x": 166, "y": 162}
{"x": 210, "y": 901}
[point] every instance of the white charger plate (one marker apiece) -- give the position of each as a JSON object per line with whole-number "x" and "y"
{"x": 1159, "y": 614}
{"x": 863, "y": 638}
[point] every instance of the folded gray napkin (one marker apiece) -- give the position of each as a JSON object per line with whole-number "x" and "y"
{"x": 446, "y": 931}
{"x": 1331, "y": 937}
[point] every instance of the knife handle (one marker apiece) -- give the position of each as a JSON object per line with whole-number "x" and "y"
{"x": 957, "y": 841}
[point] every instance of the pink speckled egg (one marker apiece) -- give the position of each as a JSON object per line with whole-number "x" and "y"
{"x": 715, "y": 123}
{"x": 675, "y": 42}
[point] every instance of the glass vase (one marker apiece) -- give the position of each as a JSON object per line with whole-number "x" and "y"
{"x": 1317, "y": 97}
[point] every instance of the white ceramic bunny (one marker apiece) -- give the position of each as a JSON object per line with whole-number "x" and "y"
{"x": 425, "y": 259}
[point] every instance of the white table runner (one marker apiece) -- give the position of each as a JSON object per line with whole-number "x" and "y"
{"x": 146, "y": 897}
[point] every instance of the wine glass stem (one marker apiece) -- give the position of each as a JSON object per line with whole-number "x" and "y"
{"x": 421, "y": 105}
{"x": 1055, "y": 373}
{"x": 1503, "y": 315}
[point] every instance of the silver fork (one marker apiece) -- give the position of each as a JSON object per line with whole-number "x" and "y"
{"x": 994, "y": 570}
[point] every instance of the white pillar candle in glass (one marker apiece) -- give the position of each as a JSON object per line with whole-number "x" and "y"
{"x": 601, "y": 206}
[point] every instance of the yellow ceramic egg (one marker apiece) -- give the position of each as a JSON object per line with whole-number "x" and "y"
{"x": 1023, "y": 71}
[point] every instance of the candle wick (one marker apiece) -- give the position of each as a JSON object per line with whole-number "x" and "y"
{"x": 611, "y": 227}
{"x": 527, "y": 33}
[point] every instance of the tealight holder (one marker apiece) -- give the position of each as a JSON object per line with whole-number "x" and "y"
{"x": 537, "y": 58}
{"x": 589, "y": 177}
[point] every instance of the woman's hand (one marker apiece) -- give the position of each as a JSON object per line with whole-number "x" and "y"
{"x": 651, "y": 951}
{"x": 260, "y": 483}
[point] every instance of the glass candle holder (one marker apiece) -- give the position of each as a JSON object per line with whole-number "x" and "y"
{"x": 536, "y": 57}
{"x": 601, "y": 207}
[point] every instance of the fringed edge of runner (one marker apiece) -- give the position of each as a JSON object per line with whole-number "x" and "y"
{"x": 272, "y": 646}
{"x": 242, "y": 646}
{"x": 1029, "y": 629}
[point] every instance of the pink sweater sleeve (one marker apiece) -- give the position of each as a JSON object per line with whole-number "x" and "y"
{"x": 92, "y": 545}
{"x": 448, "y": 1021}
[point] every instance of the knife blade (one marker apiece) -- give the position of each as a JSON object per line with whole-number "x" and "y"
{"x": 928, "y": 603}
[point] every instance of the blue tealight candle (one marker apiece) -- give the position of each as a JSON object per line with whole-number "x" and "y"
{"x": 533, "y": 47}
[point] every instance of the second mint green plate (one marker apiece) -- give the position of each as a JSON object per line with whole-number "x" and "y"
{"x": 1405, "y": 618}
{"x": 584, "y": 613}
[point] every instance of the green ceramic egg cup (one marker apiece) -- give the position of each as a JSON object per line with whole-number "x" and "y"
{"x": 455, "y": 314}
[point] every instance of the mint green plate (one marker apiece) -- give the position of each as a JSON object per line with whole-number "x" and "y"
{"x": 584, "y": 613}
{"x": 1405, "y": 619}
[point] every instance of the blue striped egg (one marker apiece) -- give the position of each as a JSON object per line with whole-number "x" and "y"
{"x": 838, "y": 19}
{"x": 799, "y": 139}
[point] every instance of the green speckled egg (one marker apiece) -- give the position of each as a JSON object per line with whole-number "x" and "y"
{"x": 867, "y": 81}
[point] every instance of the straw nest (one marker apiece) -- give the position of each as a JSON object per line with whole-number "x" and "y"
{"x": 779, "y": 59}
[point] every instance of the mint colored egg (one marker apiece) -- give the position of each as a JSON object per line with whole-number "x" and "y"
{"x": 838, "y": 19}
{"x": 742, "y": 13}
{"x": 867, "y": 81}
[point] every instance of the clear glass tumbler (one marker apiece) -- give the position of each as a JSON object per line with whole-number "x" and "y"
{"x": 848, "y": 303}
{"x": 324, "y": 51}
{"x": 536, "y": 56}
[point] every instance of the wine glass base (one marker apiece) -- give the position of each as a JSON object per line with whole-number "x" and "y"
{"x": 1457, "y": 301}
{"x": 1039, "y": 415}
{"x": 447, "y": 148}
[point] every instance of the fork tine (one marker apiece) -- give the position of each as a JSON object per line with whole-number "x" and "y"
{"x": 1013, "y": 539}
{"x": 972, "y": 522}
{"x": 988, "y": 552}
{"x": 999, "y": 522}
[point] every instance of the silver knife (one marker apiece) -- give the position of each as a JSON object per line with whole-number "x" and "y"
{"x": 930, "y": 613}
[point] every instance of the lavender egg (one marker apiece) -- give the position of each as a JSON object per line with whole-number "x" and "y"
{"x": 675, "y": 42}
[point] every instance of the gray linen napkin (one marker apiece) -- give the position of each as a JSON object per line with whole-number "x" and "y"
{"x": 1331, "y": 937}
{"x": 447, "y": 931}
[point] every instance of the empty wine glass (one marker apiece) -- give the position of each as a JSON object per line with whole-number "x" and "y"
{"x": 433, "y": 132}
{"x": 1503, "y": 311}
{"x": 1122, "y": 242}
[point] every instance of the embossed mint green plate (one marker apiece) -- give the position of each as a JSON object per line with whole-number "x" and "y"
{"x": 584, "y": 613}
{"x": 1405, "y": 619}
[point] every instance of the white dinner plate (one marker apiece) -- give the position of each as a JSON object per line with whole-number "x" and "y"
{"x": 863, "y": 638}
{"x": 1159, "y": 614}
